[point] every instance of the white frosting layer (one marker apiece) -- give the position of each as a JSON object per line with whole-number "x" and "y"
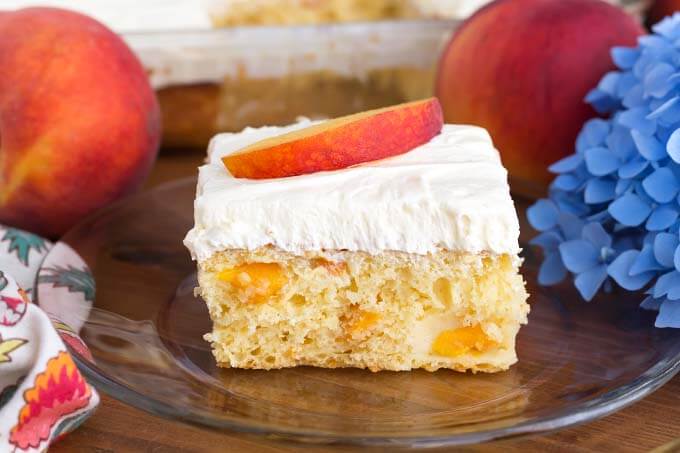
{"x": 450, "y": 193}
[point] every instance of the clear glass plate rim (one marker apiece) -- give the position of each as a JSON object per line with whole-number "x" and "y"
{"x": 606, "y": 404}
{"x": 611, "y": 401}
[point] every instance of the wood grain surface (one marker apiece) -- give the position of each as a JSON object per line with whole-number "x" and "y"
{"x": 116, "y": 427}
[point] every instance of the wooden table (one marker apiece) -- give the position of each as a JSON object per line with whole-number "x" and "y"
{"x": 117, "y": 427}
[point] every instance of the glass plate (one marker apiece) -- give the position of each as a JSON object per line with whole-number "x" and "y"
{"x": 578, "y": 361}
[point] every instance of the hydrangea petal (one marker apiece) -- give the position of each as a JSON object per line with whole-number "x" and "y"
{"x": 653, "y": 42}
{"x": 669, "y": 314}
{"x": 569, "y": 204}
{"x": 578, "y": 255}
{"x": 645, "y": 261}
{"x": 642, "y": 64}
{"x": 666, "y": 283}
{"x": 620, "y": 271}
{"x": 656, "y": 82}
{"x": 569, "y": 163}
{"x": 629, "y": 210}
{"x": 625, "y": 57}
{"x": 626, "y": 82}
{"x": 667, "y": 27}
{"x": 601, "y": 161}
{"x": 649, "y": 303}
{"x": 642, "y": 193}
{"x": 622, "y": 186}
{"x": 610, "y": 81}
{"x": 599, "y": 217}
{"x": 675, "y": 78}
{"x": 548, "y": 241}
{"x": 602, "y": 102}
{"x": 567, "y": 182}
{"x": 621, "y": 143}
{"x": 661, "y": 185}
{"x": 673, "y": 293}
{"x": 570, "y": 225}
{"x": 649, "y": 238}
{"x": 596, "y": 235}
{"x": 636, "y": 118}
{"x": 664, "y": 248}
{"x": 543, "y": 215}
{"x": 590, "y": 281}
{"x": 676, "y": 259}
{"x": 670, "y": 116}
{"x": 633, "y": 168}
{"x": 663, "y": 133}
{"x": 664, "y": 108}
{"x": 634, "y": 98}
{"x": 673, "y": 146}
{"x": 648, "y": 146}
{"x": 599, "y": 190}
{"x": 593, "y": 133}
{"x": 552, "y": 270}
{"x": 675, "y": 228}
{"x": 661, "y": 51}
{"x": 661, "y": 218}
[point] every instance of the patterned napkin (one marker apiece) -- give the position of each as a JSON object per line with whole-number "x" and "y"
{"x": 42, "y": 394}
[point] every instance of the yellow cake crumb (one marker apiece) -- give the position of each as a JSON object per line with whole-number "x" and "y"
{"x": 393, "y": 311}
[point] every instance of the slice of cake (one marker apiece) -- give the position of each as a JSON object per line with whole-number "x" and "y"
{"x": 401, "y": 263}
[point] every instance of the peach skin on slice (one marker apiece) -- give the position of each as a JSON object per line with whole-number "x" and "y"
{"x": 341, "y": 142}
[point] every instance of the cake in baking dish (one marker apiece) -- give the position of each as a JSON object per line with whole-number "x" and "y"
{"x": 406, "y": 262}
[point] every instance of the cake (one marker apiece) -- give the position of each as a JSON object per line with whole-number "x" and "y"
{"x": 410, "y": 261}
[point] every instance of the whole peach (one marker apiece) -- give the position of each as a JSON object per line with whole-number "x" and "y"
{"x": 79, "y": 122}
{"x": 521, "y": 69}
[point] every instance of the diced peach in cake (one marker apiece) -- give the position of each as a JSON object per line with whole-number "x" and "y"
{"x": 455, "y": 342}
{"x": 258, "y": 281}
{"x": 333, "y": 267}
{"x": 365, "y": 320}
{"x": 357, "y": 323}
{"x": 340, "y": 143}
{"x": 371, "y": 315}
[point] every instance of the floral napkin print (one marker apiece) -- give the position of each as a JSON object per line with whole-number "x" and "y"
{"x": 42, "y": 394}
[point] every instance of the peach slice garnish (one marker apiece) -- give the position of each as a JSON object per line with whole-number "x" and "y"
{"x": 341, "y": 142}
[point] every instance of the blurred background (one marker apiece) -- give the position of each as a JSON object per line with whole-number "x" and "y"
{"x": 222, "y": 65}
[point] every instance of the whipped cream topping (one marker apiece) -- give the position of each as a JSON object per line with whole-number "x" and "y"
{"x": 451, "y": 193}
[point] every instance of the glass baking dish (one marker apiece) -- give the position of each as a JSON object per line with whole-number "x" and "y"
{"x": 226, "y": 79}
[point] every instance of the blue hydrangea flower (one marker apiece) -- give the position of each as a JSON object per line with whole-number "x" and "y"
{"x": 613, "y": 212}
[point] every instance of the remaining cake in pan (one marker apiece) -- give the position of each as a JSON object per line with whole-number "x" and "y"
{"x": 401, "y": 263}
